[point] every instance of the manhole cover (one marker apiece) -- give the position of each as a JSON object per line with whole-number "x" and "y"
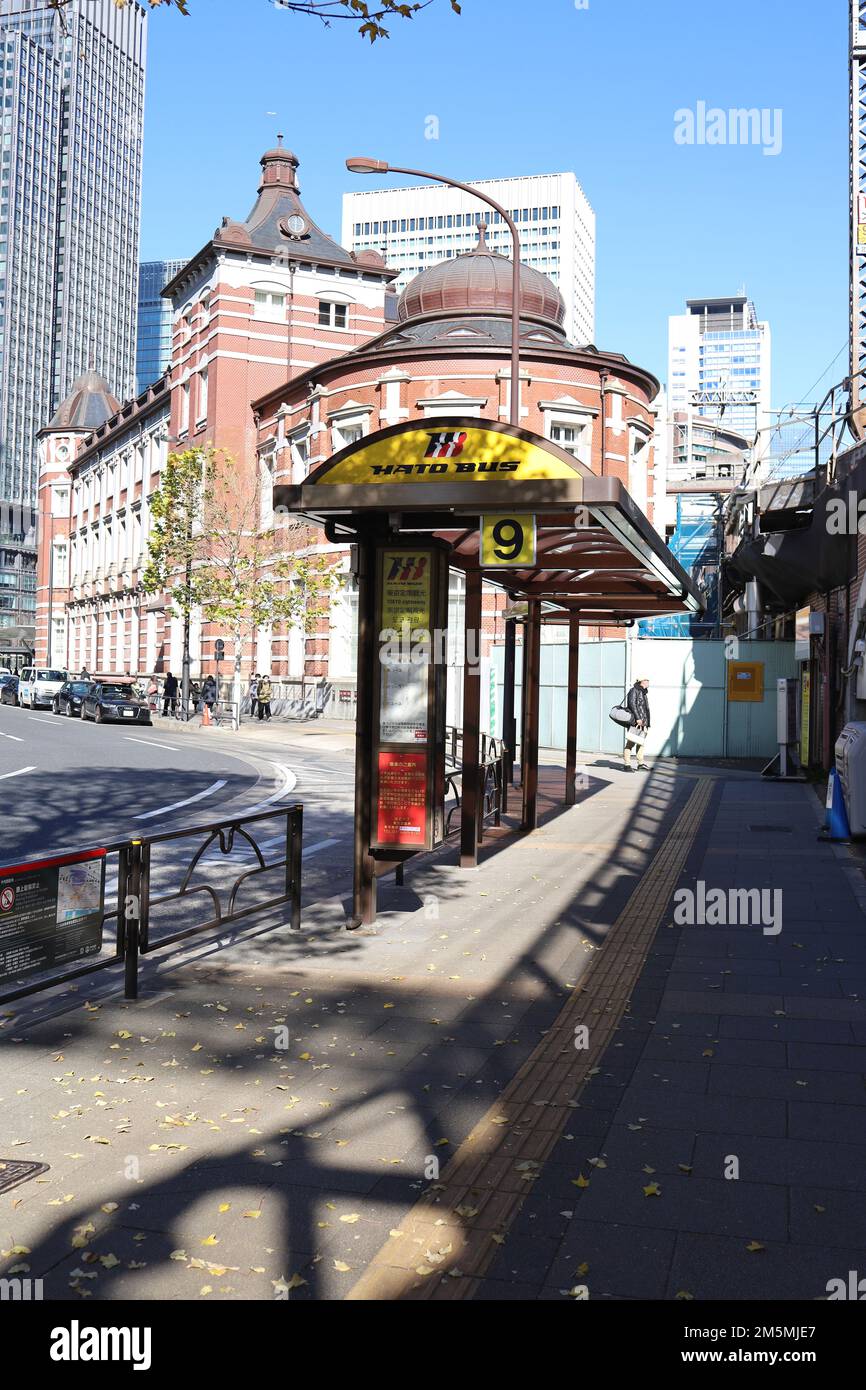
{"x": 14, "y": 1171}
{"x": 776, "y": 829}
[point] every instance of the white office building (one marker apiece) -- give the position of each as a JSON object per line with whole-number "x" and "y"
{"x": 719, "y": 364}
{"x": 415, "y": 227}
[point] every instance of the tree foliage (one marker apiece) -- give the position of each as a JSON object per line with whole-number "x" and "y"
{"x": 370, "y": 15}
{"x": 209, "y": 551}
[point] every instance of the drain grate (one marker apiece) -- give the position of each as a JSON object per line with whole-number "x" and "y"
{"x": 14, "y": 1171}
{"x": 775, "y": 829}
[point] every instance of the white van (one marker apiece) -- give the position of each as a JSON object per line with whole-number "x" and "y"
{"x": 38, "y": 686}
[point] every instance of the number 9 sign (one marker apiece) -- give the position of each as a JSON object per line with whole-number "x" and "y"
{"x": 508, "y": 541}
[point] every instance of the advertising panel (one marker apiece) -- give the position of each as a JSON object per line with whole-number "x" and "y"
{"x": 51, "y": 912}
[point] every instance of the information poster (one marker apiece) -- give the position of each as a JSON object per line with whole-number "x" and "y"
{"x": 405, "y": 640}
{"x": 402, "y": 802}
{"x": 51, "y": 913}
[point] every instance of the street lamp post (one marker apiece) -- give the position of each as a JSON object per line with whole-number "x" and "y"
{"x": 380, "y": 166}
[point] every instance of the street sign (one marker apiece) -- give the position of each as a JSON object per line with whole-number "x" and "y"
{"x": 51, "y": 912}
{"x": 219, "y": 647}
{"x": 508, "y": 540}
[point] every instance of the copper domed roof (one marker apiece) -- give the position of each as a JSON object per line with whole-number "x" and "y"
{"x": 480, "y": 281}
{"x": 88, "y": 405}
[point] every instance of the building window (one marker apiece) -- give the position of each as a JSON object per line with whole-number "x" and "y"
{"x": 61, "y": 563}
{"x": 184, "y": 407}
{"x": 333, "y": 315}
{"x": 269, "y": 304}
{"x": 346, "y": 432}
{"x": 202, "y": 395}
{"x": 572, "y": 432}
{"x": 59, "y": 501}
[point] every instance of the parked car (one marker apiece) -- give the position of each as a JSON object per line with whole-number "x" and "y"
{"x": 8, "y": 690}
{"x": 104, "y": 701}
{"x": 38, "y": 686}
{"x": 68, "y": 698}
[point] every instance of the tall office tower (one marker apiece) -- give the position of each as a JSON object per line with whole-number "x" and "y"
{"x": 70, "y": 185}
{"x": 153, "y": 341}
{"x": 719, "y": 363}
{"x": 415, "y": 227}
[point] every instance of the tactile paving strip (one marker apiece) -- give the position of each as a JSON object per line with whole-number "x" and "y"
{"x": 452, "y": 1235}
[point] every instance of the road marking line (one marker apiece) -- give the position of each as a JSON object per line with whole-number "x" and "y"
{"x": 14, "y": 737}
{"x": 199, "y": 796}
{"x": 37, "y": 719}
{"x": 320, "y": 844}
{"x": 152, "y": 743}
{"x": 20, "y": 771}
{"x": 536, "y": 1103}
{"x": 289, "y": 785}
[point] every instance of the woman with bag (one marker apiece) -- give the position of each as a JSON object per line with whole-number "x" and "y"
{"x": 637, "y": 702}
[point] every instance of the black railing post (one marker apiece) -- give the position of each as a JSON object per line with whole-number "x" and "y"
{"x": 132, "y": 915}
{"x": 294, "y": 861}
{"x": 122, "y": 892}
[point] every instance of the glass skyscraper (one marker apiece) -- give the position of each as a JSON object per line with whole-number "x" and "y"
{"x": 70, "y": 195}
{"x": 153, "y": 344}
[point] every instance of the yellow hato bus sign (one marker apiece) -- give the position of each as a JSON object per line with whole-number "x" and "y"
{"x": 467, "y": 454}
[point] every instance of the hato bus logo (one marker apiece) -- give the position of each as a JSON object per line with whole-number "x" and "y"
{"x": 406, "y": 569}
{"x": 447, "y": 444}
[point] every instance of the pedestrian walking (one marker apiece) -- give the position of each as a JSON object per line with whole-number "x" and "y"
{"x": 637, "y": 701}
{"x": 264, "y": 698}
{"x": 209, "y": 692}
{"x": 169, "y": 695}
{"x": 254, "y": 694}
{"x": 84, "y": 674}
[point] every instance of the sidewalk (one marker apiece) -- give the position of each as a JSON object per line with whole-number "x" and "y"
{"x": 525, "y": 1082}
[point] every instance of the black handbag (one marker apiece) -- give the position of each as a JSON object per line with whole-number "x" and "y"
{"x": 622, "y": 715}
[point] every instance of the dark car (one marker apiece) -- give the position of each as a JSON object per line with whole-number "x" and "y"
{"x": 68, "y": 698}
{"x": 104, "y": 701}
{"x": 8, "y": 690}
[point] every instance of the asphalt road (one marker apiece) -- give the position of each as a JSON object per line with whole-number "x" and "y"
{"x": 65, "y": 785}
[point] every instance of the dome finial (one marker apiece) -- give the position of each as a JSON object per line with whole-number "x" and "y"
{"x": 482, "y": 235}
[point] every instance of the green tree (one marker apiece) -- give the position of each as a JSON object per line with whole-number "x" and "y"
{"x": 368, "y": 14}
{"x": 210, "y": 550}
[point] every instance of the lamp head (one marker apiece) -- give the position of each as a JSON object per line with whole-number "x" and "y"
{"x": 364, "y": 165}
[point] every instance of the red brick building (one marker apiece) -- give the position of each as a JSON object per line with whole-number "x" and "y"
{"x": 265, "y": 299}
{"x": 449, "y": 355}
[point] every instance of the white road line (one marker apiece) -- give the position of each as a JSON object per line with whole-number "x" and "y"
{"x": 320, "y": 844}
{"x": 152, "y": 743}
{"x": 199, "y": 796}
{"x": 37, "y": 719}
{"x": 20, "y": 771}
{"x": 289, "y": 785}
{"x": 13, "y": 737}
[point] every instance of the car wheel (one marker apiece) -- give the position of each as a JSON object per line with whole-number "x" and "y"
{"x": 98, "y": 716}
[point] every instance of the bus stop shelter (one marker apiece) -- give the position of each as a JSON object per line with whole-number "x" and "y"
{"x": 511, "y": 510}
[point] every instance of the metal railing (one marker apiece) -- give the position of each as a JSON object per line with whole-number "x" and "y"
{"x": 493, "y": 770}
{"x": 133, "y": 913}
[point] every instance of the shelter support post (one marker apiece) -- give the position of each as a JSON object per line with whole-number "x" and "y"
{"x": 509, "y": 723}
{"x": 532, "y": 681}
{"x": 364, "y": 865}
{"x": 571, "y": 716}
{"x": 470, "y": 809}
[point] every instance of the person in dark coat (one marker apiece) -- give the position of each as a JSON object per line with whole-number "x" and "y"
{"x": 635, "y": 736}
{"x": 169, "y": 694}
{"x": 209, "y": 692}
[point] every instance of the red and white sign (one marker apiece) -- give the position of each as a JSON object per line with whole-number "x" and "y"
{"x": 402, "y": 800}
{"x": 7, "y": 899}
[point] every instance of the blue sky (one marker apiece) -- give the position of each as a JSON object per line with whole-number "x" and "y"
{"x": 536, "y": 86}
